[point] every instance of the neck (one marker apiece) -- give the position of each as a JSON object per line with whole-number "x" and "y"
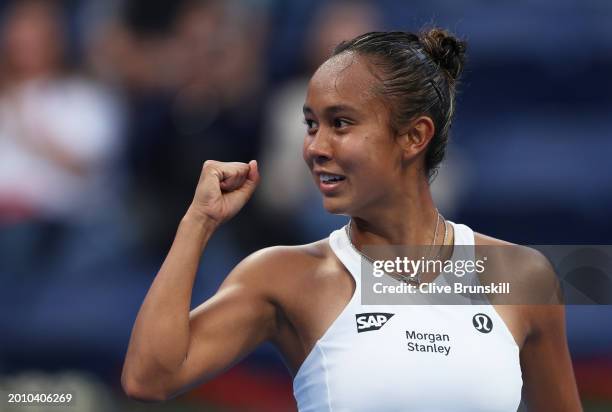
{"x": 410, "y": 220}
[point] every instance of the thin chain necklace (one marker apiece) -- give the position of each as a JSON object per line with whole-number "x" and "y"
{"x": 403, "y": 278}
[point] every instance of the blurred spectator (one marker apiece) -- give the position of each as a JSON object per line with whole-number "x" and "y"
{"x": 58, "y": 137}
{"x": 193, "y": 73}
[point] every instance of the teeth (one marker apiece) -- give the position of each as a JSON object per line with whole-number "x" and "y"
{"x": 325, "y": 178}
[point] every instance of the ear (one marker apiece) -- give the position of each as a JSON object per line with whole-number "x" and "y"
{"x": 416, "y": 136}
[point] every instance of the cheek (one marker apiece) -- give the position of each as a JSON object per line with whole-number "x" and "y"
{"x": 368, "y": 153}
{"x": 305, "y": 144}
{"x": 376, "y": 167}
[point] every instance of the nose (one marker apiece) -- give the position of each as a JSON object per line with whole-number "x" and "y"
{"x": 318, "y": 148}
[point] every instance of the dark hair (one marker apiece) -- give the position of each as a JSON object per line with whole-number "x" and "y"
{"x": 420, "y": 73}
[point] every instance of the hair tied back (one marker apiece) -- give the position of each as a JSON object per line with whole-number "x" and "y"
{"x": 446, "y": 50}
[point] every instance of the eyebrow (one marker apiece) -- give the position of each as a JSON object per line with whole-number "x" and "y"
{"x": 332, "y": 110}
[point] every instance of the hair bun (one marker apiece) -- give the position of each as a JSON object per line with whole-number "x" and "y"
{"x": 445, "y": 49}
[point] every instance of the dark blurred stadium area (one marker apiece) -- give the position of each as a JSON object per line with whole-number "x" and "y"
{"x": 109, "y": 108}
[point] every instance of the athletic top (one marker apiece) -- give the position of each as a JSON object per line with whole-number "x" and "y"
{"x": 410, "y": 357}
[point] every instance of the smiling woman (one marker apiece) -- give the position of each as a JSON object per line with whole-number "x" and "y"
{"x": 378, "y": 113}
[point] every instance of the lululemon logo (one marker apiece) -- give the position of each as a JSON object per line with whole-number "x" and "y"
{"x": 371, "y": 321}
{"x": 482, "y": 323}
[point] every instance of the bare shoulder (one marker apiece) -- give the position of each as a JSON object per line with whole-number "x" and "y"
{"x": 526, "y": 264}
{"x": 482, "y": 239}
{"x": 280, "y": 267}
{"x": 533, "y": 281}
{"x": 279, "y": 260}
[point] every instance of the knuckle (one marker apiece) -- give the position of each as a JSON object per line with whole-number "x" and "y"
{"x": 211, "y": 164}
{"x": 211, "y": 167}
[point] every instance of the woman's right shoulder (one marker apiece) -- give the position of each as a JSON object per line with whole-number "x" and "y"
{"x": 306, "y": 256}
{"x": 281, "y": 264}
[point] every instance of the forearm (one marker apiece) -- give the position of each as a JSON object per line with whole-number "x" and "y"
{"x": 162, "y": 348}
{"x": 160, "y": 337}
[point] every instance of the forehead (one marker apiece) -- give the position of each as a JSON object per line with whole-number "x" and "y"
{"x": 345, "y": 79}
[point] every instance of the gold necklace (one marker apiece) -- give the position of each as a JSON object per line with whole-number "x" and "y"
{"x": 402, "y": 278}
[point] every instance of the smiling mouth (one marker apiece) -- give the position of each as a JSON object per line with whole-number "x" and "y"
{"x": 329, "y": 179}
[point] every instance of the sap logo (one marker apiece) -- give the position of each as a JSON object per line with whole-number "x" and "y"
{"x": 371, "y": 321}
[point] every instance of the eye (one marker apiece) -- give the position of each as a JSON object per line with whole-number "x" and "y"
{"x": 340, "y": 123}
{"x": 311, "y": 126}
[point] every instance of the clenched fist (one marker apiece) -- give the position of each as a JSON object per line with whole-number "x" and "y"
{"x": 223, "y": 189}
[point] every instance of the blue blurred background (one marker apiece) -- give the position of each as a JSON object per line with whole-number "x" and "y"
{"x": 108, "y": 109}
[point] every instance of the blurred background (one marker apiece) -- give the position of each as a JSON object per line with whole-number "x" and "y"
{"x": 109, "y": 108}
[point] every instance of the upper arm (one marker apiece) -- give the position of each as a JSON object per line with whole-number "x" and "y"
{"x": 548, "y": 376}
{"x": 240, "y": 316}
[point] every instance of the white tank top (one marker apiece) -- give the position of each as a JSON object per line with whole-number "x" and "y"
{"x": 410, "y": 357}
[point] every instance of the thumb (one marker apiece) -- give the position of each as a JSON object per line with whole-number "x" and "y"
{"x": 253, "y": 177}
{"x": 241, "y": 195}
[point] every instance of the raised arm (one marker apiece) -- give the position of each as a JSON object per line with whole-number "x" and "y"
{"x": 172, "y": 349}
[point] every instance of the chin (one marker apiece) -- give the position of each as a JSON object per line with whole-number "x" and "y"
{"x": 336, "y": 206}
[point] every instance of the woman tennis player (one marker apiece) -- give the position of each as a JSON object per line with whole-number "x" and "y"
{"x": 377, "y": 113}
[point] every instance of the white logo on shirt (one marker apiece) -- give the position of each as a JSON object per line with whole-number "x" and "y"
{"x": 371, "y": 321}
